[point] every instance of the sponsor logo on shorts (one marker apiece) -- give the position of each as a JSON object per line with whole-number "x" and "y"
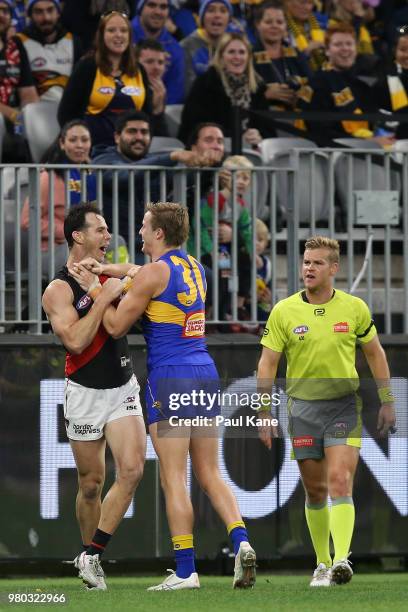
{"x": 131, "y": 407}
{"x": 300, "y": 330}
{"x": 84, "y": 302}
{"x": 124, "y": 361}
{"x": 342, "y": 424}
{"x": 194, "y": 325}
{"x": 84, "y": 430}
{"x": 106, "y": 91}
{"x": 302, "y": 441}
{"x": 340, "y": 430}
{"x": 131, "y": 91}
{"x": 342, "y": 328}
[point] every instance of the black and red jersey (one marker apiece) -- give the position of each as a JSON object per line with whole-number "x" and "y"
{"x": 106, "y": 362}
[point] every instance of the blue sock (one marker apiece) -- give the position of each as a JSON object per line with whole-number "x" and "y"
{"x": 184, "y": 554}
{"x": 238, "y": 534}
{"x": 184, "y": 562}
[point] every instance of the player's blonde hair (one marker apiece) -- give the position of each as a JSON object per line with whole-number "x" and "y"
{"x": 172, "y": 218}
{"x": 262, "y": 232}
{"x": 322, "y": 242}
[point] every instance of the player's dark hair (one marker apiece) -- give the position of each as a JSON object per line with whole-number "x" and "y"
{"x": 75, "y": 221}
{"x": 195, "y": 133}
{"x": 132, "y": 115}
{"x": 172, "y": 219}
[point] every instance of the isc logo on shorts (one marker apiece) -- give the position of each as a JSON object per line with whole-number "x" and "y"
{"x": 342, "y": 327}
{"x": 301, "y": 441}
{"x": 194, "y": 325}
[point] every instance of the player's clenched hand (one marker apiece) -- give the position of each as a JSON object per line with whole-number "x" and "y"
{"x": 112, "y": 289}
{"x": 131, "y": 273}
{"x": 92, "y": 265}
{"x": 85, "y": 279}
{"x": 386, "y": 419}
{"x": 267, "y": 431}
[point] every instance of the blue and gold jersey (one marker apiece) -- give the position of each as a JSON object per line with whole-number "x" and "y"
{"x": 174, "y": 321}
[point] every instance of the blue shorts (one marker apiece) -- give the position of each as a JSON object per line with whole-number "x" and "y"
{"x": 182, "y": 391}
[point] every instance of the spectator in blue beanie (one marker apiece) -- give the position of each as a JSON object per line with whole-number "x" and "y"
{"x": 199, "y": 47}
{"x": 150, "y": 23}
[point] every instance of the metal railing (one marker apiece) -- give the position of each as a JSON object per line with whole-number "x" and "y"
{"x": 299, "y": 193}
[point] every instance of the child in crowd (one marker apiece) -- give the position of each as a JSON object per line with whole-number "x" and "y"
{"x": 242, "y": 166}
{"x": 263, "y": 271}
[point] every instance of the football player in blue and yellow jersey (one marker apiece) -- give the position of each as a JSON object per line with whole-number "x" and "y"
{"x": 169, "y": 293}
{"x": 318, "y": 330}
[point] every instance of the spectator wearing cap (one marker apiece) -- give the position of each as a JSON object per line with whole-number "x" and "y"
{"x": 150, "y": 22}
{"x": 16, "y": 87}
{"x": 107, "y": 83}
{"x": 199, "y": 47}
{"x": 52, "y": 50}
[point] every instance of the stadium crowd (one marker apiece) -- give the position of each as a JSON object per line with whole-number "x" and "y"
{"x": 118, "y": 66}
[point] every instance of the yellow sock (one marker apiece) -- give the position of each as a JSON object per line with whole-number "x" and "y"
{"x": 342, "y": 516}
{"x": 232, "y": 526}
{"x": 182, "y": 542}
{"x": 317, "y": 518}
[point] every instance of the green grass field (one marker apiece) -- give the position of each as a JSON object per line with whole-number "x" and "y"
{"x": 370, "y": 592}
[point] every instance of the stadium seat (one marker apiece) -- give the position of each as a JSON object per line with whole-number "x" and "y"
{"x": 278, "y": 152}
{"x": 172, "y": 115}
{"x": 165, "y": 144}
{"x": 41, "y": 127}
{"x": 358, "y": 143}
{"x": 273, "y": 146}
{"x": 368, "y": 172}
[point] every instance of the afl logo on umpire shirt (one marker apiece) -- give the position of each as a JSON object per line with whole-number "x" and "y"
{"x": 300, "y": 330}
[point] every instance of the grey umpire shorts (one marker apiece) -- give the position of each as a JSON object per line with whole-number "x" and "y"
{"x": 315, "y": 424}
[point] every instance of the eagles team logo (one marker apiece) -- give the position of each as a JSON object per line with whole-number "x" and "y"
{"x": 194, "y": 325}
{"x": 300, "y": 330}
{"x": 341, "y": 328}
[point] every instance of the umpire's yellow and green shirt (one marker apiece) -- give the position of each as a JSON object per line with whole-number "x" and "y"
{"x": 319, "y": 341}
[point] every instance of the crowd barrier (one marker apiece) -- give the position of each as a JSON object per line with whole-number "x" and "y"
{"x": 358, "y": 196}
